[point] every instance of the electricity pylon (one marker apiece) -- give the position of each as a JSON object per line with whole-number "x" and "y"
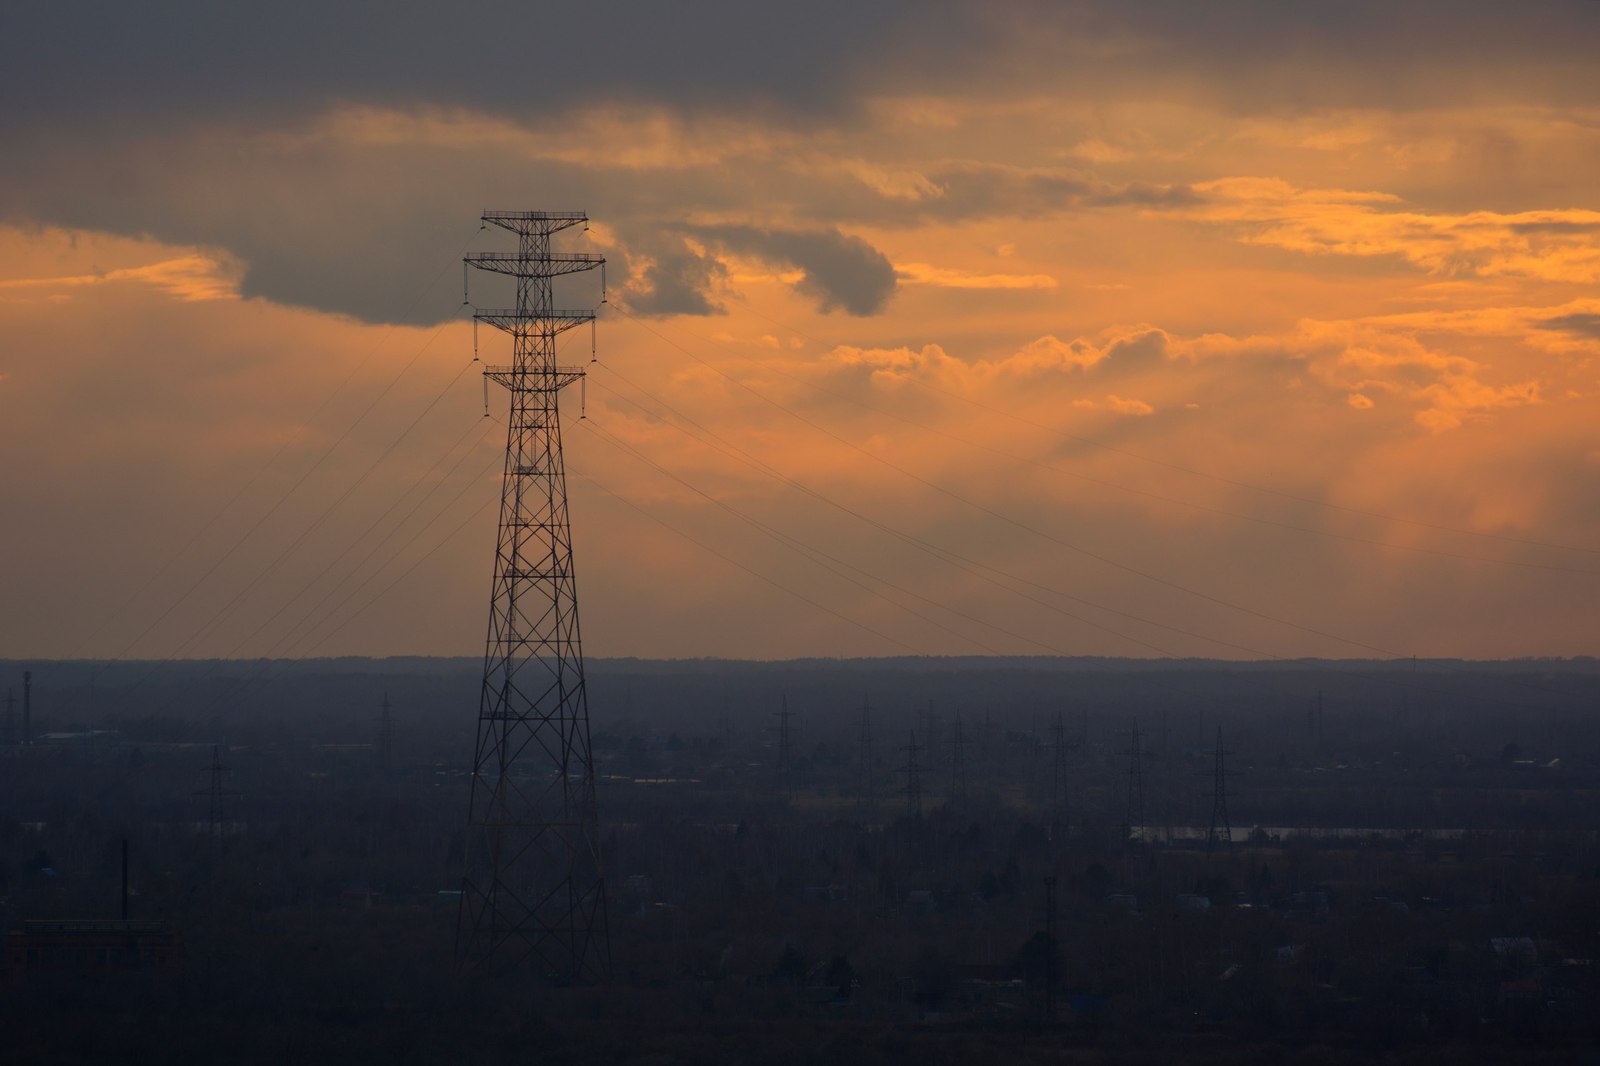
{"x": 913, "y": 771}
{"x": 533, "y": 896}
{"x": 215, "y": 796}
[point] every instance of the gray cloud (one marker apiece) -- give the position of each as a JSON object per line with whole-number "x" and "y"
{"x": 105, "y": 64}
{"x": 1138, "y": 352}
{"x": 1557, "y": 227}
{"x": 841, "y": 272}
{"x": 169, "y": 124}
{"x": 1584, "y": 325}
{"x": 679, "y": 281}
{"x": 975, "y": 190}
{"x": 112, "y": 62}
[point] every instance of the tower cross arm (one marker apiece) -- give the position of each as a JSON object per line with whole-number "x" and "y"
{"x": 555, "y": 379}
{"x": 550, "y": 321}
{"x": 524, "y": 265}
{"x": 511, "y": 220}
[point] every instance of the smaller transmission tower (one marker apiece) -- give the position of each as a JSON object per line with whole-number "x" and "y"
{"x": 1135, "y": 821}
{"x": 11, "y": 719}
{"x": 215, "y": 796}
{"x": 1221, "y": 830}
{"x": 913, "y": 771}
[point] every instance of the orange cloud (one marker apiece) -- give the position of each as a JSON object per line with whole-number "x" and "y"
{"x": 945, "y": 277}
{"x": 1550, "y": 245}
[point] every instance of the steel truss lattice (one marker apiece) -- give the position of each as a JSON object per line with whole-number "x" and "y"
{"x": 533, "y": 896}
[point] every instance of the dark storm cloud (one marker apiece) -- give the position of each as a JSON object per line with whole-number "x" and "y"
{"x": 1554, "y": 227}
{"x": 113, "y": 61}
{"x": 841, "y": 272}
{"x": 1583, "y": 325}
{"x": 106, "y": 63}
{"x": 182, "y": 121}
{"x": 678, "y": 281}
{"x": 1140, "y": 351}
{"x": 978, "y": 190}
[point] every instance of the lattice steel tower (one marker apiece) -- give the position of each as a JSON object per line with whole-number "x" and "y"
{"x": 533, "y": 897}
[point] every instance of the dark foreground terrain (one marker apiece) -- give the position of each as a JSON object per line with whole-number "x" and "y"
{"x": 1403, "y": 864}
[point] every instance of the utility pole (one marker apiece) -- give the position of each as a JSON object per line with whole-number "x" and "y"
{"x": 215, "y": 796}
{"x": 533, "y": 895}
{"x": 913, "y": 771}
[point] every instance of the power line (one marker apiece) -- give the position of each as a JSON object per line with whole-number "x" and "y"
{"x": 982, "y": 571}
{"x": 277, "y": 504}
{"x": 812, "y": 554}
{"x": 188, "y": 548}
{"x": 362, "y": 536}
{"x": 1042, "y": 534}
{"x": 317, "y": 522}
{"x": 802, "y": 597}
{"x": 1234, "y": 482}
{"x": 292, "y": 640}
{"x": 394, "y": 529}
{"x": 946, "y": 556}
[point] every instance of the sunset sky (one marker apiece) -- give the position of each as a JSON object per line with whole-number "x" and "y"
{"x": 1236, "y": 330}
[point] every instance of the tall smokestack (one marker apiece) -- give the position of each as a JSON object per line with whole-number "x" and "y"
{"x": 27, "y": 706}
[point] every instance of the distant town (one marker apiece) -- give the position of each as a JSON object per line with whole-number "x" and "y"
{"x": 992, "y": 854}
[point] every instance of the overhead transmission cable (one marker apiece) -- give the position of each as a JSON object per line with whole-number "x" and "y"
{"x": 188, "y": 549}
{"x": 1220, "y": 478}
{"x": 942, "y": 555}
{"x": 1156, "y": 496}
{"x": 475, "y": 425}
{"x": 1016, "y": 523}
{"x": 283, "y": 498}
{"x": 297, "y": 636}
{"x": 1149, "y": 682}
{"x": 316, "y": 523}
{"x": 780, "y": 586}
{"x": 982, "y": 570}
{"x": 821, "y": 558}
